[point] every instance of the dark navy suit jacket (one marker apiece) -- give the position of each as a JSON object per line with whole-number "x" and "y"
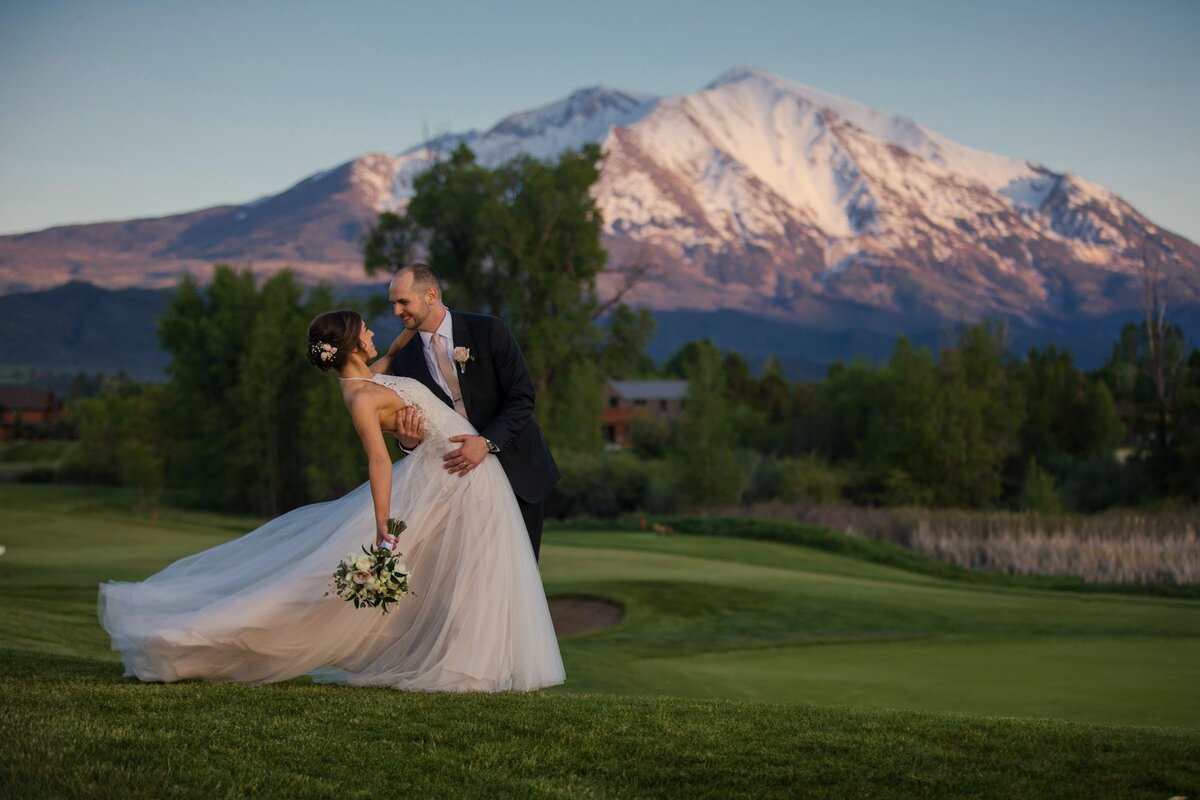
{"x": 498, "y": 393}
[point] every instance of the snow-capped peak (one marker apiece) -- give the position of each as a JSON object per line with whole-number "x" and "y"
{"x": 595, "y": 104}
{"x": 771, "y": 89}
{"x": 585, "y": 116}
{"x": 767, "y": 90}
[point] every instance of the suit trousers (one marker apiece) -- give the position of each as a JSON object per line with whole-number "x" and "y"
{"x": 533, "y": 513}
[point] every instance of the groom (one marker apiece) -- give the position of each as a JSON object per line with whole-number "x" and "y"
{"x": 473, "y": 363}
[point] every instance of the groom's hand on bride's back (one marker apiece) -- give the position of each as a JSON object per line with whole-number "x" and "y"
{"x": 410, "y": 427}
{"x": 471, "y": 452}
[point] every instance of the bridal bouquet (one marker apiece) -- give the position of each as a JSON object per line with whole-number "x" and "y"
{"x": 373, "y": 578}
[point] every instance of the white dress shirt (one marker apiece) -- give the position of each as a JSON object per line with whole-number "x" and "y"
{"x": 447, "y": 330}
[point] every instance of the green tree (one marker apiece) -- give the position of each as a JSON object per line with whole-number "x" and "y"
{"x": 847, "y": 410}
{"x": 772, "y": 393}
{"x": 1053, "y": 389}
{"x": 451, "y": 214}
{"x": 1100, "y": 424}
{"x": 709, "y": 473}
{"x": 206, "y": 333}
{"x": 268, "y": 398}
{"x": 1145, "y": 380}
{"x": 573, "y": 420}
{"x": 649, "y": 436}
{"x": 627, "y": 335}
{"x": 257, "y": 428}
{"x": 981, "y": 413}
{"x": 810, "y": 479}
{"x": 330, "y": 452}
{"x": 522, "y": 241}
{"x": 1185, "y": 480}
{"x": 123, "y": 440}
{"x": 684, "y": 361}
{"x": 1038, "y": 492}
{"x": 739, "y": 378}
{"x": 1067, "y": 415}
{"x": 904, "y": 440}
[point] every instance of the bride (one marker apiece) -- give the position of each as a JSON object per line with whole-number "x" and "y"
{"x": 255, "y": 609}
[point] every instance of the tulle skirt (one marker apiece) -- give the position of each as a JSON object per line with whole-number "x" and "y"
{"x": 255, "y": 609}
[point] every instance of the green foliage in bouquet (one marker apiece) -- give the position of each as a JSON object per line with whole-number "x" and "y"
{"x": 376, "y": 577}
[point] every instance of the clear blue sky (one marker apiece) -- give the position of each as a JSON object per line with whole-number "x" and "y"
{"x": 119, "y": 109}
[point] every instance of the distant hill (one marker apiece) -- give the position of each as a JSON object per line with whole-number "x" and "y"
{"x": 80, "y": 327}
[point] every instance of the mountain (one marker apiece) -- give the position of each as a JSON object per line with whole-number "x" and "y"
{"x": 756, "y": 194}
{"x": 313, "y": 227}
{"x": 767, "y": 196}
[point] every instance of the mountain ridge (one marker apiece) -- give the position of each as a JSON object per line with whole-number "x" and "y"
{"x": 756, "y": 194}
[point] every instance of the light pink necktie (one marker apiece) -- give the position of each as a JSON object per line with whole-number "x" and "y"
{"x": 449, "y": 374}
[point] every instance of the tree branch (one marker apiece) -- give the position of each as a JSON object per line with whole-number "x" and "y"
{"x": 634, "y": 274}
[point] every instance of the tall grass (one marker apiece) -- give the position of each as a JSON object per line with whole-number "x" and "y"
{"x": 1113, "y": 547}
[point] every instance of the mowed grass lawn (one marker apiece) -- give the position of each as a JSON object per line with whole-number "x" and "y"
{"x": 742, "y": 669}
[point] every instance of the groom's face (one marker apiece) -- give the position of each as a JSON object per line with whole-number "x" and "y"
{"x": 412, "y": 304}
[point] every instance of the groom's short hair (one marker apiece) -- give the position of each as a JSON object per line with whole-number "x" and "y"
{"x": 423, "y": 275}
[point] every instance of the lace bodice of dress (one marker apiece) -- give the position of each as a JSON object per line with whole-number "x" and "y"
{"x": 415, "y": 393}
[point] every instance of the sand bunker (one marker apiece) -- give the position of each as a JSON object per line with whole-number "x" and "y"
{"x": 576, "y": 614}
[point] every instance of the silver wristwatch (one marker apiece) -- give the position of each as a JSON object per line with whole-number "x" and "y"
{"x": 491, "y": 445}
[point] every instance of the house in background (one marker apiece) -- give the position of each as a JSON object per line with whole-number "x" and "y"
{"x": 626, "y": 400}
{"x": 32, "y": 408}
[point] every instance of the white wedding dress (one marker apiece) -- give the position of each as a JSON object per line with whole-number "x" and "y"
{"x": 254, "y": 609}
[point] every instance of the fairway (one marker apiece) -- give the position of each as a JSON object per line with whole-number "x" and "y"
{"x": 764, "y": 621}
{"x": 707, "y": 619}
{"x": 1092, "y": 679}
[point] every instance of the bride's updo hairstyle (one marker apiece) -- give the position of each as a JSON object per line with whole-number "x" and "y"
{"x": 332, "y": 337}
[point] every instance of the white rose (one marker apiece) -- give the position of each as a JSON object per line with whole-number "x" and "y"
{"x": 362, "y": 563}
{"x": 362, "y": 576}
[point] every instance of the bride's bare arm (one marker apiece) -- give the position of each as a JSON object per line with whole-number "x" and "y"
{"x": 364, "y": 410}
{"x": 384, "y": 362}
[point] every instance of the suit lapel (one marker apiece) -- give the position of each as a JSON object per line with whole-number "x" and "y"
{"x": 416, "y": 367}
{"x": 462, "y": 338}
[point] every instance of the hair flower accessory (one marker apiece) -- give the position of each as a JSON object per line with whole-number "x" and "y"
{"x": 323, "y": 351}
{"x": 462, "y": 355}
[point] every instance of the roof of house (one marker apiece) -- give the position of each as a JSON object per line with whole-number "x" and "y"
{"x": 23, "y": 397}
{"x": 650, "y": 390}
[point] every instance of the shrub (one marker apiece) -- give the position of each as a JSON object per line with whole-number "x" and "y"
{"x": 1102, "y": 483}
{"x": 1037, "y": 491}
{"x": 649, "y": 437}
{"x": 601, "y": 485}
{"x": 810, "y": 479}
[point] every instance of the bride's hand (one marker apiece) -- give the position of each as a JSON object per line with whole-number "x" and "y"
{"x": 410, "y": 427}
{"x": 384, "y": 362}
{"x": 383, "y": 538}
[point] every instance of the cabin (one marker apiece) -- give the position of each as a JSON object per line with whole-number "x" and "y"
{"x": 24, "y": 408}
{"x": 626, "y": 400}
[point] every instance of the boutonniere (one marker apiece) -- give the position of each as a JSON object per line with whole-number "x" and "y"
{"x": 461, "y": 356}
